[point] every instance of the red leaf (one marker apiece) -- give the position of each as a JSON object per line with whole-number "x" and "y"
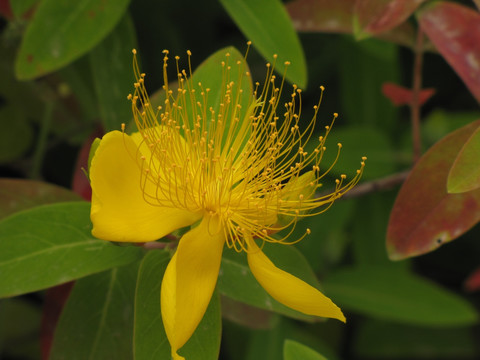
{"x": 424, "y": 215}
{"x": 18, "y": 194}
{"x": 455, "y": 31}
{"x": 400, "y": 95}
{"x": 337, "y": 17}
{"x": 377, "y": 16}
{"x": 6, "y": 9}
{"x": 322, "y": 15}
{"x": 80, "y": 183}
{"x": 473, "y": 281}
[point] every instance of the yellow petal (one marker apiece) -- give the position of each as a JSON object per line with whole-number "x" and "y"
{"x": 119, "y": 211}
{"x": 288, "y": 289}
{"x": 190, "y": 280}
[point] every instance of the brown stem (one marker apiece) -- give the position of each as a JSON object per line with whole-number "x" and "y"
{"x": 385, "y": 183}
{"x": 415, "y": 105}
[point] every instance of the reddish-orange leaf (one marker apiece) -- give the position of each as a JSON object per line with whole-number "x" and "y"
{"x": 424, "y": 215}
{"x": 377, "y": 16}
{"x": 322, "y": 15}
{"x": 18, "y": 194}
{"x": 400, "y": 95}
{"x": 6, "y": 9}
{"x": 473, "y": 281}
{"x": 455, "y": 31}
{"x": 337, "y": 16}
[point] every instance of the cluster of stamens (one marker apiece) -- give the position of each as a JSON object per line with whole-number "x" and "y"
{"x": 237, "y": 160}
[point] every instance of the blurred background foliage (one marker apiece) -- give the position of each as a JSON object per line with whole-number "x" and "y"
{"x": 65, "y": 72}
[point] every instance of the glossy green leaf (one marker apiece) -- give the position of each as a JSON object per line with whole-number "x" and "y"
{"x": 379, "y": 340}
{"x": 384, "y": 293}
{"x": 210, "y": 74}
{"x": 52, "y": 244}
{"x": 97, "y": 321}
{"x": 237, "y": 282}
{"x": 205, "y": 341}
{"x": 112, "y": 70}
{"x": 62, "y": 31}
{"x": 293, "y": 350}
{"x": 20, "y": 194}
{"x": 267, "y": 25}
{"x": 150, "y": 338}
{"x": 465, "y": 172}
{"x": 424, "y": 215}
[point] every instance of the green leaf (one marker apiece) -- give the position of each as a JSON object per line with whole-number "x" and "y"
{"x": 267, "y": 24}
{"x": 52, "y": 244}
{"x": 150, "y": 338}
{"x": 379, "y": 340}
{"x": 465, "y": 172}
{"x": 97, "y": 321}
{"x": 19, "y": 194}
{"x": 425, "y": 216}
{"x": 293, "y": 350}
{"x": 111, "y": 63}
{"x": 237, "y": 282}
{"x": 385, "y": 293}
{"x": 211, "y": 74}
{"x": 205, "y": 341}
{"x": 62, "y": 31}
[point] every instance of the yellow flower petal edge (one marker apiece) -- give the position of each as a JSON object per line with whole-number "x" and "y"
{"x": 119, "y": 211}
{"x": 190, "y": 280}
{"x": 288, "y": 289}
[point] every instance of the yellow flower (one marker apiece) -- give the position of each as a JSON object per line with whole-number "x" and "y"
{"x": 234, "y": 174}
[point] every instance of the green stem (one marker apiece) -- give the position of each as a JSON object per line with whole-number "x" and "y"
{"x": 415, "y": 105}
{"x": 39, "y": 153}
